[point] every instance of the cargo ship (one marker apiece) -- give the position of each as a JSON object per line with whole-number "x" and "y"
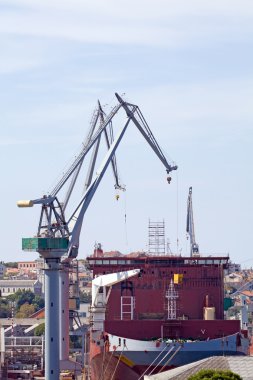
{"x": 169, "y": 314}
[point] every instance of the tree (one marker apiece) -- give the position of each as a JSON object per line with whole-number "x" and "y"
{"x": 5, "y": 309}
{"x": 211, "y": 374}
{"x": 25, "y": 296}
{"x": 39, "y": 330}
{"x": 22, "y": 297}
{"x": 25, "y": 311}
{"x": 11, "y": 265}
{"x": 38, "y": 302}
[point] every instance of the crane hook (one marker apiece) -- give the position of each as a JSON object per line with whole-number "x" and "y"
{"x": 169, "y": 180}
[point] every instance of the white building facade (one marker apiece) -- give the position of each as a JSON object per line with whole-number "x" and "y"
{"x": 8, "y": 287}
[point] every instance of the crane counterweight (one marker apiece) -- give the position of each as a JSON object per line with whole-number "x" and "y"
{"x": 24, "y": 203}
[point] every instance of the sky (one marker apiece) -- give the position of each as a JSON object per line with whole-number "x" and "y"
{"x": 188, "y": 65}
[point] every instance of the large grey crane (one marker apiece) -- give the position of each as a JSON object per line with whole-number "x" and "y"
{"x": 58, "y": 234}
{"x": 194, "y": 248}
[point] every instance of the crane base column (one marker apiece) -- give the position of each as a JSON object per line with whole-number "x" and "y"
{"x": 52, "y": 312}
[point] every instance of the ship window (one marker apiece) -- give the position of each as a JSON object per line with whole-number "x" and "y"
{"x": 113, "y": 262}
{"x": 99, "y": 262}
{"x": 122, "y": 262}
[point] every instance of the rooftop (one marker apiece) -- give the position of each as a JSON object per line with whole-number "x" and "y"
{"x": 17, "y": 282}
{"x": 242, "y": 365}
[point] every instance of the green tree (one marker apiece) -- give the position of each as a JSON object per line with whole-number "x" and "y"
{"x": 11, "y": 265}
{"x": 39, "y": 330}
{"x": 25, "y": 311}
{"x": 25, "y": 296}
{"x": 38, "y": 302}
{"x": 22, "y": 297}
{"x": 211, "y": 374}
{"x": 11, "y": 298}
{"x": 5, "y": 309}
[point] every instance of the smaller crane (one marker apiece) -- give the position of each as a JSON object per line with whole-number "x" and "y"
{"x": 190, "y": 226}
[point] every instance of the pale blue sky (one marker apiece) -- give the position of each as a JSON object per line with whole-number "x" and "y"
{"x": 189, "y": 67}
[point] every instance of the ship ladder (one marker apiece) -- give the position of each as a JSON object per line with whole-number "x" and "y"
{"x": 172, "y": 356}
{"x": 162, "y": 360}
{"x": 146, "y": 370}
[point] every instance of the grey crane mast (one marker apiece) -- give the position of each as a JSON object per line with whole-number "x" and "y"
{"x": 58, "y": 234}
{"x": 194, "y": 248}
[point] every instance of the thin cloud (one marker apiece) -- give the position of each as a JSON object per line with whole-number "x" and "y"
{"x": 162, "y": 24}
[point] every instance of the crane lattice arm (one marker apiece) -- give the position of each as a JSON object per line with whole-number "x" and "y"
{"x": 53, "y": 221}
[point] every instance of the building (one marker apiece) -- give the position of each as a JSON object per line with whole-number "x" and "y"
{"x": 27, "y": 266}
{"x": 232, "y": 268}
{"x": 8, "y": 287}
{"x": 12, "y": 272}
{"x": 2, "y": 270}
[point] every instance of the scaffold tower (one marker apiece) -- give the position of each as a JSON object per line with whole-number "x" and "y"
{"x": 156, "y": 234}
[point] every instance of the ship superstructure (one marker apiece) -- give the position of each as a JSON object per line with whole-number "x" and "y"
{"x": 170, "y": 315}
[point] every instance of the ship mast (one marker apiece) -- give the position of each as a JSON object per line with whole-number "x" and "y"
{"x": 172, "y": 296}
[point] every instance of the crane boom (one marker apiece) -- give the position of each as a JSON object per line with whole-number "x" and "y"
{"x": 194, "y": 248}
{"x": 143, "y": 127}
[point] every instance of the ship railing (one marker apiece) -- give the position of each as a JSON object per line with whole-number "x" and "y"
{"x": 23, "y": 341}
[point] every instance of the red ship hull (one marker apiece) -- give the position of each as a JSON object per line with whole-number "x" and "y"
{"x": 134, "y": 336}
{"x": 108, "y": 365}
